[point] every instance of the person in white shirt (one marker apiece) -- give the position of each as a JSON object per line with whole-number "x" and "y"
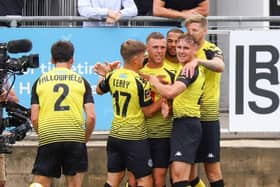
{"x": 108, "y": 12}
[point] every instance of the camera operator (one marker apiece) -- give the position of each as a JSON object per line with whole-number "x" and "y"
{"x": 6, "y": 95}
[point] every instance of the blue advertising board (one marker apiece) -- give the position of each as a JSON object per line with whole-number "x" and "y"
{"x": 91, "y": 45}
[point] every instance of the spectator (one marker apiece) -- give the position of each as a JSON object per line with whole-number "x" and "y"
{"x": 10, "y": 7}
{"x": 180, "y": 9}
{"x": 108, "y": 12}
{"x": 11, "y": 96}
{"x": 210, "y": 57}
{"x": 59, "y": 121}
{"x": 144, "y": 7}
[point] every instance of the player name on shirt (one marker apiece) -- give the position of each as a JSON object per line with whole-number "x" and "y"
{"x": 69, "y": 77}
{"x": 120, "y": 83}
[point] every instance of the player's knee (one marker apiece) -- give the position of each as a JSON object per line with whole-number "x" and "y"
{"x": 213, "y": 171}
{"x": 159, "y": 183}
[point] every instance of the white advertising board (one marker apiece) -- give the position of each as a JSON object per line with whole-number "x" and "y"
{"x": 254, "y": 81}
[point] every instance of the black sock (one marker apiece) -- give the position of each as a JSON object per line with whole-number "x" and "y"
{"x": 194, "y": 181}
{"x": 181, "y": 184}
{"x": 107, "y": 185}
{"x": 219, "y": 183}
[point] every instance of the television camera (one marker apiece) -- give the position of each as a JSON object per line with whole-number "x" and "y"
{"x": 17, "y": 119}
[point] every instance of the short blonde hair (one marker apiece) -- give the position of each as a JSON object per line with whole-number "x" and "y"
{"x": 131, "y": 48}
{"x": 196, "y": 18}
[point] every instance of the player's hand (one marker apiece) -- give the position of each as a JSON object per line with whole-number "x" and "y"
{"x": 114, "y": 65}
{"x": 161, "y": 79}
{"x": 165, "y": 109}
{"x": 113, "y": 16}
{"x": 153, "y": 80}
{"x": 189, "y": 68}
{"x": 103, "y": 68}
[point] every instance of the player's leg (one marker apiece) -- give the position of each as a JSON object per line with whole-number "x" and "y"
{"x": 185, "y": 140}
{"x": 131, "y": 180}
{"x": 47, "y": 164}
{"x": 146, "y": 181}
{"x": 74, "y": 163}
{"x": 43, "y": 180}
{"x": 194, "y": 178}
{"x": 76, "y": 180}
{"x": 159, "y": 177}
{"x": 139, "y": 161}
{"x": 180, "y": 171}
{"x": 214, "y": 174}
{"x": 116, "y": 161}
{"x": 160, "y": 150}
{"x": 114, "y": 179}
{"x": 211, "y": 133}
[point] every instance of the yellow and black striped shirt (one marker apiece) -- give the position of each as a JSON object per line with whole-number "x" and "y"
{"x": 61, "y": 94}
{"x": 129, "y": 93}
{"x": 158, "y": 127}
{"x": 187, "y": 104}
{"x": 211, "y": 96}
{"x": 174, "y": 65}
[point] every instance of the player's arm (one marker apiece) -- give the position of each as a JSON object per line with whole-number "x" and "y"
{"x": 89, "y": 110}
{"x": 202, "y": 8}
{"x": 172, "y": 90}
{"x": 149, "y": 107}
{"x": 216, "y": 64}
{"x": 35, "y": 116}
{"x": 103, "y": 84}
{"x": 90, "y": 119}
{"x": 153, "y": 108}
{"x": 99, "y": 90}
{"x": 35, "y": 107}
{"x": 166, "y": 90}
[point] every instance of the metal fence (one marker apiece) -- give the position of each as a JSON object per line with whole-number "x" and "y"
{"x": 50, "y": 8}
{"x": 220, "y": 27}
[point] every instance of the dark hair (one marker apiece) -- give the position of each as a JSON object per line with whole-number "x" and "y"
{"x": 62, "y": 51}
{"x": 154, "y": 35}
{"x": 175, "y": 30}
{"x": 131, "y": 48}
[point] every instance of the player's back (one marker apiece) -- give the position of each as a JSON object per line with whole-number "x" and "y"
{"x": 129, "y": 93}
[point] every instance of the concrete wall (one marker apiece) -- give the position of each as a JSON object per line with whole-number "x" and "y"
{"x": 245, "y": 163}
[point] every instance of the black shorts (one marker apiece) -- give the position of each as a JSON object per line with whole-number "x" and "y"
{"x": 160, "y": 150}
{"x": 66, "y": 157}
{"x": 133, "y": 155}
{"x": 185, "y": 139}
{"x": 209, "y": 148}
